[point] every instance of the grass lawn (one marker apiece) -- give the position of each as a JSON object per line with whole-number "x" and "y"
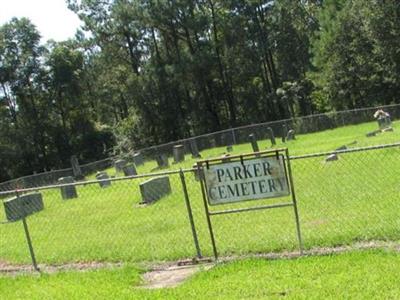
{"x": 354, "y": 198}
{"x": 323, "y": 141}
{"x": 352, "y": 275}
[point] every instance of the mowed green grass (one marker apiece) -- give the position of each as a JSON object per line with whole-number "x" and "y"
{"x": 353, "y": 275}
{"x": 323, "y": 141}
{"x": 352, "y": 199}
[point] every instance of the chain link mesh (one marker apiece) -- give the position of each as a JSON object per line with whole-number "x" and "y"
{"x": 351, "y": 199}
{"x": 109, "y": 223}
{"x": 216, "y": 143}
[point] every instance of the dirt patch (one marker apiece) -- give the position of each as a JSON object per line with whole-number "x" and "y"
{"x": 8, "y": 268}
{"x": 319, "y": 251}
{"x": 172, "y": 276}
{"x": 17, "y": 269}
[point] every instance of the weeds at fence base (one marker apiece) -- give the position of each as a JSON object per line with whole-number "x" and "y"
{"x": 8, "y": 269}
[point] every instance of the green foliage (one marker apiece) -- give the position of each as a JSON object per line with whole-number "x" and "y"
{"x": 109, "y": 225}
{"x": 355, "y": 52}
{"x": 45, "y": 116}
{"x": 157, "y": 71}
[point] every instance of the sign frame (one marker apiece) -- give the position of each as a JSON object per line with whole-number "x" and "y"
{"x": 242, "y": 161}
{"x": 278, "y": 153}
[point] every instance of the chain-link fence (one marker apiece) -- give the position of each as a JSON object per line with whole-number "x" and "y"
{"x": 353, "y": 198}
{"x": 125, "y": 219}
{"x": 343, "y": 197}
{"x": 276, "y": 133}
{"x": 237, "y": 140}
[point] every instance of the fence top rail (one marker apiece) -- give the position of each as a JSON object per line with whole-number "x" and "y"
{"x": 189, "y": 170}
{"x": 359, "y": 149}
{"x": 210, "y": 134}
{"x": 244, "y": 155}
{"x": 269, "y": 123}
{"x": 95, "y": 181}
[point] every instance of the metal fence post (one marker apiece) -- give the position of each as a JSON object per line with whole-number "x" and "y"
{"x": 29, "y": 241}
{"x": 294, "y": 199}
{"x": 190, "y": 214}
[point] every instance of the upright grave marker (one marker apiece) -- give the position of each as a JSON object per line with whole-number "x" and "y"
{"x": 253, "y": 141}
{"x": 271, "y": 136}
{"x": 284, "y": 133}
{"x": 119, "y": 165}
{"x": 104, "y": 179}
{"x": 129, "y": 170}
{"x": 138, "y": 159}
{"x": 19, "y": 208}
{"x": 154, "y": 189}
{"x": 290, "y": 135}
{"x": 246, "y": 177}
{"x": 194, "y": 149}
{"x": 69, "y": 191}
{"x": 76, "y": 169}
{"x": 383, "y": 119}
{"x": 162, "y": 161}
{"x": 179, "y": 153}
{"x": 212, "y": 142}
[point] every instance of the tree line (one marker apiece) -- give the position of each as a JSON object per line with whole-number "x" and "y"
{"x": 144, "y": 72}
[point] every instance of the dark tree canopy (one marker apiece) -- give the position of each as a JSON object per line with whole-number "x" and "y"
{"x": 151, "y": 71}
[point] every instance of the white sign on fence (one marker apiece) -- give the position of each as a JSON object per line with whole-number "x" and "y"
{"x": 251, "y": 179}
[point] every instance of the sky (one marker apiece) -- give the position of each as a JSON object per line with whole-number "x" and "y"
{"x": 52, "y": 18}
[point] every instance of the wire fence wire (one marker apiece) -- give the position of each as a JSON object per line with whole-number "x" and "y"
{"x": 109, "y": 223}
{"x": 269, "y": 134}
{"x": 146, "y": 217}
{"x": 354, "y": 198}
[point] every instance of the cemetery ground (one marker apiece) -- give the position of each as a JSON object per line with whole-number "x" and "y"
{"x": 352, "y": 199}
{"x": 339, "y": 202}
{"x": 371, "y": 274}
{"x": 323, "y": 141}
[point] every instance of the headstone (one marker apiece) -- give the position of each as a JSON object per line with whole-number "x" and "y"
{"x": 154, "y": 189}
{"x": 162, "y": 161}
{"x": 105, "y": 179}
{"x": 372, "y": 133}
{"x": 138, "y": 159}
{"x": 384, "y": 122}
{"x": 76, "y": 169}
{"x": 383, "y": 119}
{"x": 226, "y": 158}
{"x": 194, "y": 149}
{"x": 129, "y": 170}
{"x": 271, "y": 135}
{"x": 20, "y": 207}
{"x": 290, "y": 135}
{"x": 229, "y": 148}
{"x": 196, "y": 172}
{"x": 227, "y": 138}
{"x": 67, "y": 192}
{"x": 212, "y": 142}
{"x": 341, "y": 148}
{"x": 284, "y": 133}
{"x": 119, "y": 165}
{"x": 179, "y": 153}
{"x": 253, "y": 142}
{"x": 387, "y": 129}
{"x": 332, "y": 157}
